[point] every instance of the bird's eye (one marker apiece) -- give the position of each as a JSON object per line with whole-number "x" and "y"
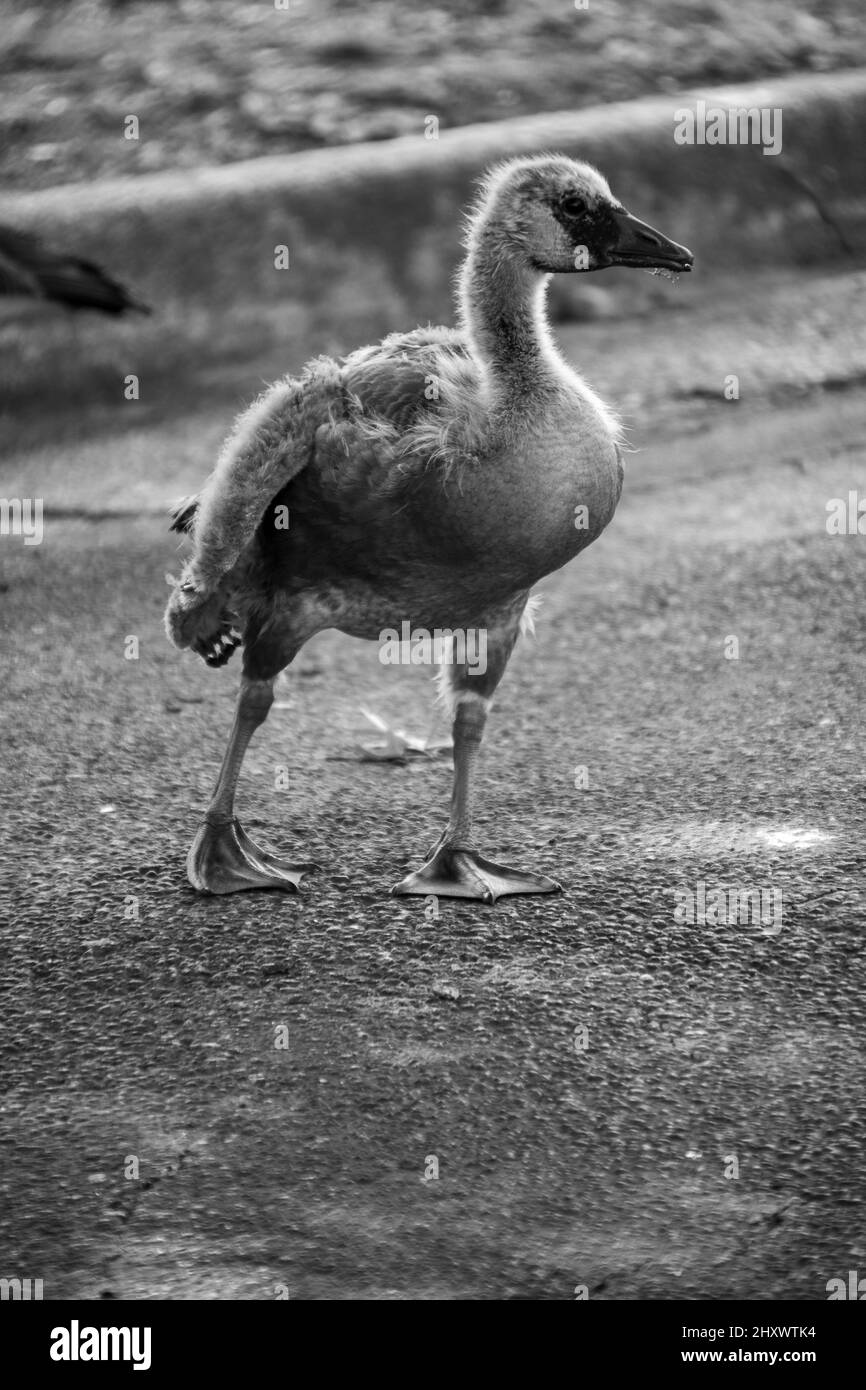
{"x": 573, "y": 205}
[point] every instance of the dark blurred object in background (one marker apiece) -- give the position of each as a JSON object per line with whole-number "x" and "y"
{"x": 30, "y": 270}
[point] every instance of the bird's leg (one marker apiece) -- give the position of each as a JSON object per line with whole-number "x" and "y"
{"x": 223, "y": 858}
{"x": 455, "y": 869}
{"x": 468, "y": 730}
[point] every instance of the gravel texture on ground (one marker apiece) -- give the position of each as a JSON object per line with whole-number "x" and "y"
{"x": 307, "y": 1167}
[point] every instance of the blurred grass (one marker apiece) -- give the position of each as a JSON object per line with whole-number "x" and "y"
{"x": 213, "y": 81}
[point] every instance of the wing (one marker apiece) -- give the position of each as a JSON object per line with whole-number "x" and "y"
{"x": 411, "y": 411}
{"x": 407, "y": 404}
{"x": 400, "y": 380}
{"x": 342, "y": 447}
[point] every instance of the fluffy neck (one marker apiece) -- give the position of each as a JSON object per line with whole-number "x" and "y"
{"x": 503, "y": 311}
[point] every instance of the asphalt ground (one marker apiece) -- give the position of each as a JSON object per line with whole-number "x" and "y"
{"x": 565, "y": 1158}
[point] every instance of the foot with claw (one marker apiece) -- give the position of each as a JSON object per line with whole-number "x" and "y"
{"x": 456, "y": 872}
{"x": 454, "y": 869}
{"x": 223, "y": 859}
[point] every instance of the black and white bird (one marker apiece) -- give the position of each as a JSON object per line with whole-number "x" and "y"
{"x": 434, "y": 477}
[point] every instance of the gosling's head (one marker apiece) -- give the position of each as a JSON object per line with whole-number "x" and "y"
{"x": 557, "y": 214}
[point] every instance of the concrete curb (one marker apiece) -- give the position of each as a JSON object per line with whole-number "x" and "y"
{"x": 376, "y": 225}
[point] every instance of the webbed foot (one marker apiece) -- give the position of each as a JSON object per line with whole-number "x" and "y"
{"x": 223, "y": 859}
{"x": 452, "y": 872}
